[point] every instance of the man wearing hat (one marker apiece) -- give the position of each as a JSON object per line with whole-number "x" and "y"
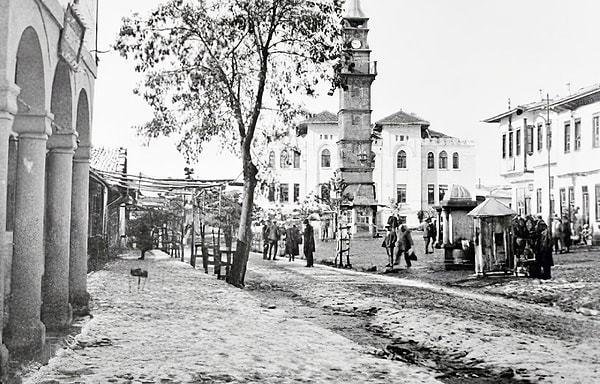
{"x": 309, "y": 243}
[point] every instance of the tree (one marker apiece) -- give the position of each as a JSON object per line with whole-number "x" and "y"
{"x": 213, "y": 66}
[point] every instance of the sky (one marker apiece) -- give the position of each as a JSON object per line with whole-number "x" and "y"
{"x": 452, "y": 63}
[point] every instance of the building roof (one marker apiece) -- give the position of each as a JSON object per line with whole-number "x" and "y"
{"x": 582, "y": 97}
{"x": 106, "y": 159}
{"x": 322, "y": 117}
{"x": 491, "y": 207}
{"x": 402, "y": 118}
{"x": 435, "y": 134}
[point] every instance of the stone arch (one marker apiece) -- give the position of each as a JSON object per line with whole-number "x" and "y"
{"x": 82, "y": 124}
{"x": 29, "y": 73}
{"x": 61, "y": 102}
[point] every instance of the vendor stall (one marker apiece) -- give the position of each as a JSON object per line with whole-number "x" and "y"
{"x": 492, "y": 237}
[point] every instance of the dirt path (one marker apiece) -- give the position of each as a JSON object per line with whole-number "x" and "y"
{"x": 463, "y": 335}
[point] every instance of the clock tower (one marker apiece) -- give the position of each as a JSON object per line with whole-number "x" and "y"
{"x": 355, "y": 157}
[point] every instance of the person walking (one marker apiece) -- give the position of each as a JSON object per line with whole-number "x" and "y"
{"x": 389, "y": 243}
{"x": 404, "y": 244}
{"x": 309, "y": 243}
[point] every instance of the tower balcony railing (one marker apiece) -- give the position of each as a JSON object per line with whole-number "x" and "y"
{"x": 362, "y": 68}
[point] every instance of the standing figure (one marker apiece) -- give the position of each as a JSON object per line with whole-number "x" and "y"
{"x": 273, "y": 238}
{"x": 429, "y": 235}
{"x": 309, "y": 243}
{"x": 389, "y": 243}
{"x": 282, "y": 240}
{"x": 565, "y": 235}
{"x": 556, "y": 234}
{"x": 325, "y": 230}
{"x": 293, "y": 239}
{"x": 144, "y": 240}
{"x": 544, "y": 257}
{"x": 265, "y": 239}
{"x": 403, "y": 244}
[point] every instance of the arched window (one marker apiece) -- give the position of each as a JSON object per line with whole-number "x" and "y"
{"x": 430, "y": 161}
{"x": 283, "y": 159}
{"x": 296, "y": 159}
{"x": 455, "y": 161}
{"x": 272, "y": 159}
{"x": 401, "y": 160}
{"x": 325, "y": 158}
{"x": 443, "y": 160}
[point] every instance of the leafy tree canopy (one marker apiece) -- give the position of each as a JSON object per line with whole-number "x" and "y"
{"x": 212, "y": 66}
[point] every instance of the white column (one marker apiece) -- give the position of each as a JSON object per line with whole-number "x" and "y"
{"x": 8, "y": 108}
{"x": 56, "y": 310}
{"x": 79, "y": 231}
{"x": 25, "y": 332}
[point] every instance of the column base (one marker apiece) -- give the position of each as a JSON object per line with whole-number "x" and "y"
{"x": 3, "y": 363}
{"x": 26, "y": 341}
{"x": 57, "y": 317}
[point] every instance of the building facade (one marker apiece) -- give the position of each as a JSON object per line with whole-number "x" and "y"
{"x": 47, "y": 76}
{"x": 413, "y": 166}
{"x": 549, "y": 152}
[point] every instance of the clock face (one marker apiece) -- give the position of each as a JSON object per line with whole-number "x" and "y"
{"x": 356, "y": 44}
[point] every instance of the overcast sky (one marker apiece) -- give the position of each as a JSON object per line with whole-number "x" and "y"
{"x": 453, "y": 63}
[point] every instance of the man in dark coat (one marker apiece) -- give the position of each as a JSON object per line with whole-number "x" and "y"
{"x": 144, "y": 240}
{"x": 544, "y": 257}
{"x": 292, "y": 241}
{"x": 309, "y": 243}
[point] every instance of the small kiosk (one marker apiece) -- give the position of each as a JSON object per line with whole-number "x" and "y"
{"x": 456, "y": 228}
{"x": 493, "y": 239}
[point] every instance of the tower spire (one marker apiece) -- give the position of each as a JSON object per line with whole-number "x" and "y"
{"x": 353, "y": 10}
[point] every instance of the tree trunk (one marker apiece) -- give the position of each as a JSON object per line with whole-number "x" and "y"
{"x": 244, "y": 240}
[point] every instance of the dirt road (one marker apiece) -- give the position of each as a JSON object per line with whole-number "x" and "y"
{"x": 460, "y": 335}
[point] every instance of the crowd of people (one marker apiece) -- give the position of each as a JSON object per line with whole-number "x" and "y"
{"x": 532, "y": 241}
{"x": 284, "y": 240}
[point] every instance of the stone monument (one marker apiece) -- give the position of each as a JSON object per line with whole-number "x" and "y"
{"x": 356, "y": 159}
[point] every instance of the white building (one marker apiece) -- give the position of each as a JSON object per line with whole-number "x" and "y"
{"x": 414, "y": 166}
{"x": 549, "y": 155}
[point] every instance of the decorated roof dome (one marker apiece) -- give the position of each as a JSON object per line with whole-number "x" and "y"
{"x": 457, "y": 193}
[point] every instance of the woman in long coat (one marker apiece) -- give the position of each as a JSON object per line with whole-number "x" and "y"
{"x": 292, "y": 242}
{"x": 309, "y": 243}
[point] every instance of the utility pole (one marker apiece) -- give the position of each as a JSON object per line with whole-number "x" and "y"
{"x": 548, "y": 141}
